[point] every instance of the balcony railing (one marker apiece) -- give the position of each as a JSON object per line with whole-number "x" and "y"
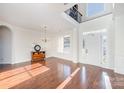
{"x": 75, "y": 14}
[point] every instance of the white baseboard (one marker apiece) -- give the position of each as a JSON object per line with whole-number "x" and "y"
{"x": 119, "y": 72}
{"x": 99, "y": 66}
{"x": 6, "y": 62}
{"x": 21, "y": 61}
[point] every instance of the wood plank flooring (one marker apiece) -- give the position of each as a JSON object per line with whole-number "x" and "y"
{"x": 16, "y": 76}
{"x": 71, "y": 81}
{"x": 57, "y": 70}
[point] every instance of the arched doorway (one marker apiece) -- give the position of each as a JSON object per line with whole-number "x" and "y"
{"x": 5, "y": 45}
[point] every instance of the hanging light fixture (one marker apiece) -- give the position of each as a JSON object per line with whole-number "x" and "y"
{"x": 45, "y": 30}
{"x": 44, "y": 37}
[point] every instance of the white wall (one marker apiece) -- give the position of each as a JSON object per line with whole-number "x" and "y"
{"x": 22, "y": 42}
{"x": 1, "y": 56}
{"x": 53, "y": 45}
{"x": 5, "y": 45}
{"x": 1, "y": 52}
{"x": 119, "y": 38}
{"x": 24, "y": 39}
{"x": 100, "y": 23}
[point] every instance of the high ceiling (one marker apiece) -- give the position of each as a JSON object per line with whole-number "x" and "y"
{"x": 35, "y": 16}
{"x": 119, "y": 9}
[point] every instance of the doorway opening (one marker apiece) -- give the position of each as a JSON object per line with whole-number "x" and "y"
{"x": 5, "y": 45}
{"x": 94, "y": 48}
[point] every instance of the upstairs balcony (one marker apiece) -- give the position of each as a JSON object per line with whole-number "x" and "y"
{"x": 74, "y": 13}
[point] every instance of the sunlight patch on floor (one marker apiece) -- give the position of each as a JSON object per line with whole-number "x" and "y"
{"x": 14, "y": 77}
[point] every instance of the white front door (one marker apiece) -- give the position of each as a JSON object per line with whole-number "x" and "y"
{"x": 92, "y": 48}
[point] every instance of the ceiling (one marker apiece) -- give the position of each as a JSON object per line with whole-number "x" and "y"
{"x": 34, "y": 16}
{"x": 119, "y": 9}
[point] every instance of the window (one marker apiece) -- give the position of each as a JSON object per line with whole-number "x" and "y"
{"x": 66, "y": 42}
{"x": 94, "y": 8}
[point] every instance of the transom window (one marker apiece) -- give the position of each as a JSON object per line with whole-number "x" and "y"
{"x": 94, "y": 8}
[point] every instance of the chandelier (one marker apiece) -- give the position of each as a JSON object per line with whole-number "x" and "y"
{"x": 44, "y": 37}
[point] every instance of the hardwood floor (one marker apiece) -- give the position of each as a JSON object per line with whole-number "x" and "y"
{"x": 53, "y": 72}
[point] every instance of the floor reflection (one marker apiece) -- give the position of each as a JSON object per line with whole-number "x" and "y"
{"x": 64, "y": 70}
{"x": 83, "y": 75}
{"x": 67, "y": 70}
{"x": 106, "y": 80}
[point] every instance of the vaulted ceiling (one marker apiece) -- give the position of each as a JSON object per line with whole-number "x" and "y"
{"x": 35, "y": 16}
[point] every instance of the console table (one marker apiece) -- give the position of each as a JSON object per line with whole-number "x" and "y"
{"x": 38, "y": 56}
